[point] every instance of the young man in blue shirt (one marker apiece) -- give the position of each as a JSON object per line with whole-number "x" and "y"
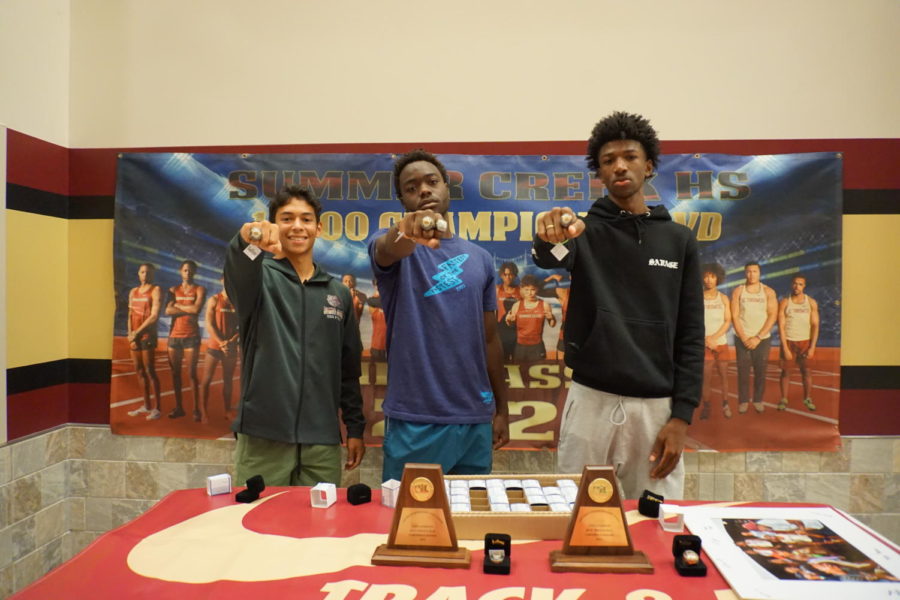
{"x": 445, "y": 401}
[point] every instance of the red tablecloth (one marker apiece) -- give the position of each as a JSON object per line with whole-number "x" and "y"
{"x": 190, "y": 545}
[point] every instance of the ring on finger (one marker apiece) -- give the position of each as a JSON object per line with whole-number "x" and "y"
{"x": 551, "y": 226}
{"x": 255, "y": 234}
{"x": 427, "y": 223}
{"x": 441, "y": 225}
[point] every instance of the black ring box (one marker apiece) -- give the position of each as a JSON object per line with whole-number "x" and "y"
{"x": 648, "y": 504}
{"x": 255, "y": 485}
{"x": 497, "y": 545}
{"x": 359, "y": 493}
{"x": 688, "y": 542}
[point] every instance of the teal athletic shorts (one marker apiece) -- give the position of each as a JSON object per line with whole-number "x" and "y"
{"x": 459, "y": 449}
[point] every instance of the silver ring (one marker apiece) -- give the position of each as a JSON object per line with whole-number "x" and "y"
{"x": 565, "y": 219}
{"x": 255, "y": 234}
{"x": 690, "y": 557}
{"x": 427, "y": 223}
{"x": 441, "y": 225}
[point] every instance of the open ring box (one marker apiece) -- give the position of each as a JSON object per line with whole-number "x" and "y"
{"x": 685, "y": 566}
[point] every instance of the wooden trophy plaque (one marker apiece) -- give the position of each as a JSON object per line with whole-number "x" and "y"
{"x": 597, "y": 539}
{"x": 422, "y": 533}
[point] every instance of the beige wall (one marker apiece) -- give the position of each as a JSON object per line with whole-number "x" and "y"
{"x": 34, "y": 68}
{"x": 211, "y": 72}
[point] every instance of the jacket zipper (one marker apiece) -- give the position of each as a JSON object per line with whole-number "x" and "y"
{"x": 302, "y": 355}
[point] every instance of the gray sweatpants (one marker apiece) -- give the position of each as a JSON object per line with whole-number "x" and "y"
{"x": 605, "y": 429}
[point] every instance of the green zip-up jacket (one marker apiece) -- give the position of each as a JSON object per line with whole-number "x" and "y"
{"x": 301, "y": 351}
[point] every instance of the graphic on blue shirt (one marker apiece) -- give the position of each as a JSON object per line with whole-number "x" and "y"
{"x": 487, "y": 397}
{"x": 447, "y": 278}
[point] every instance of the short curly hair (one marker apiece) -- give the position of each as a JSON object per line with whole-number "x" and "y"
{"x": 622, "y": 126}
{"x": 415, "y": 156}
{"x": 717, "y": 271}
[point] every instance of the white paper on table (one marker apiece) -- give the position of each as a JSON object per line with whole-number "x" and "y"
{"x": 751, "y": 581}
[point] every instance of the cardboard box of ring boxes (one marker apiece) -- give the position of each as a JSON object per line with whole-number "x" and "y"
{"x": 539, "y": 524}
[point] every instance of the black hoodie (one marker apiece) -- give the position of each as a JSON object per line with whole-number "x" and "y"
{"x": 634, "y": 324}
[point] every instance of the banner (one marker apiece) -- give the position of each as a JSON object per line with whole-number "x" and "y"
{"x": 783, "y": 212}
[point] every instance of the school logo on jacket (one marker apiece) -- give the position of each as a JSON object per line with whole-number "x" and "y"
{"x": 333, "y": 308}
{"x": 447, "y": 276}
{"x": 661, "y": 262}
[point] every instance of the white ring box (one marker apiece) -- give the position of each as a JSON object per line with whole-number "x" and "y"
{"x": 218, "y": 484}
{"x": 389, "y": 492}
{"x": 323, "y": 495}
{"x": 671, "y": 518}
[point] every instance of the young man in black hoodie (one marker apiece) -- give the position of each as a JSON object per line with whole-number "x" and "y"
{"x": 634, "y": 328}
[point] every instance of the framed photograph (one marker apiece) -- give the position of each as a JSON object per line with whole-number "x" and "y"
{"x": 814, "y": 553}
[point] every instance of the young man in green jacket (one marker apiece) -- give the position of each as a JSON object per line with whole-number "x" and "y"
{"x": 301, "y": 351}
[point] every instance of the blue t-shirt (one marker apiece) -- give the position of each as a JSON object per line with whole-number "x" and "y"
{"x": 434, "y": 303}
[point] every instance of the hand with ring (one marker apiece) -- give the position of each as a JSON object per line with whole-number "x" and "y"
{"x": 262, "y": 234}
{"x": 424, "y": 227}
{"x": 558, "y": 225}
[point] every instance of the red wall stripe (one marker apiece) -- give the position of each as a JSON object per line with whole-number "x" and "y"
{"x": 89, "y": 402}
{"x": 37, "y": 410}
{"x": 870, "y": 412}
{"x": 36, "y": 164}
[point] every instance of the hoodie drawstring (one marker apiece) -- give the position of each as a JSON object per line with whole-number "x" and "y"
{"x": 638, "y": 221}
{"x": 620, "y": 408}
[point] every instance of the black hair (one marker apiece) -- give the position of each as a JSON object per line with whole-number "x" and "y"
{"x": 716, "y": 269}
{"x": 511, "y": 266}
{"x": 415, "y": 156}
{"x": 752, "y": 263}
{"x": 293, "y": 192}
{"x": 622, "y": 126}
{"x": 191, "y": 264}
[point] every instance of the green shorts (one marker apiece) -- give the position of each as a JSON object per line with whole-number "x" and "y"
{"x": 283, "y": 464}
